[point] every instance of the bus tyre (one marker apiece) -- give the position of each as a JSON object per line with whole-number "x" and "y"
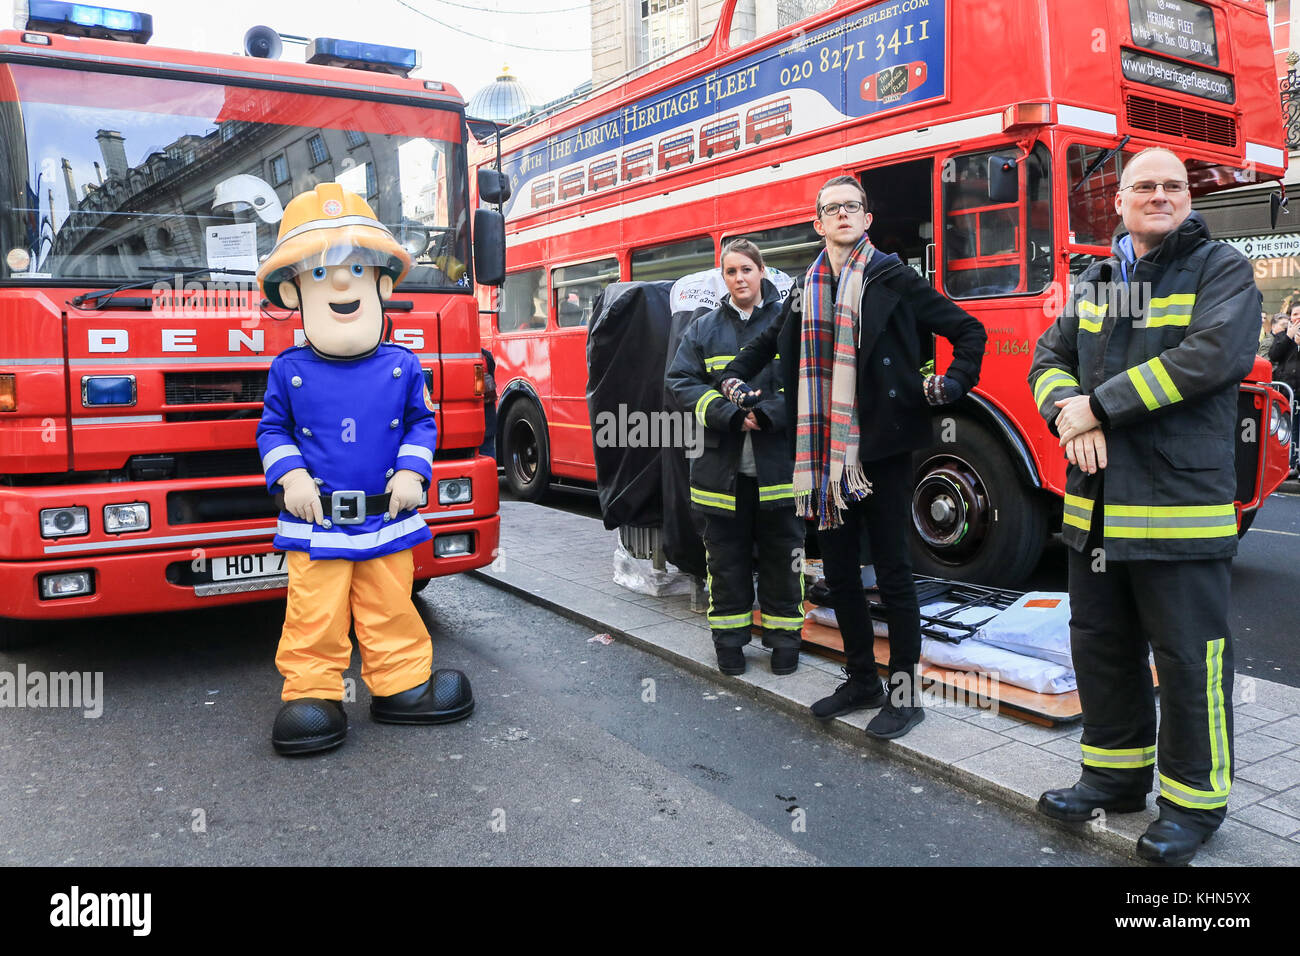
{"x": 526, "y": 452}
{"x": 1247, "y": 519}
{"x": 973, "y": 518}
{"x": 758, "y": 138}
{"x": 418, "y": 586}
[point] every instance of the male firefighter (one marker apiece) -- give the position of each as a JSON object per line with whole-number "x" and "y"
{"x": 348, "y": 433}
{"x": 1139, "y": 377}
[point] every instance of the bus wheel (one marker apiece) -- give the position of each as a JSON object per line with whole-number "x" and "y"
{"x": 526, "y": 456}
{"x": 973, "y": 519}
{"x": 710, "y": 152}
{"x": 787, "y": 129}
{"x": 758, "y": 138}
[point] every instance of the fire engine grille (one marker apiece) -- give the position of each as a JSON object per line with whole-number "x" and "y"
{"x": 1248, "y": 451}
{"x": 1173, "y": 120}
{"x": 210, "y": 388}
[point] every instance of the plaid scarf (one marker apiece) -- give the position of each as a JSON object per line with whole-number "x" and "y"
{"x": 827, "y": 472}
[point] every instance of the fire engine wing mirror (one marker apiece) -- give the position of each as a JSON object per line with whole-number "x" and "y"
{"x": 489, "y": 247}
{"x": 493, "y": 186}
{"x": 1004, "y": 179}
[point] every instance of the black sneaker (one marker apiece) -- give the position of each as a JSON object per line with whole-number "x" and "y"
{"x": 853, "y": 694}
{"x": 731, "y": 660}
{"x": 893, "y": 721}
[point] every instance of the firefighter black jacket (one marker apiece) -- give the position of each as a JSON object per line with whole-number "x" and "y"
{"x": 1163, "y": 354}
{"x": 899, "y": 308}
{"x": 707, "y": 345}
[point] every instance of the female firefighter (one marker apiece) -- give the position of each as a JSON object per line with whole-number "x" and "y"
{"x": 741, "y": 481}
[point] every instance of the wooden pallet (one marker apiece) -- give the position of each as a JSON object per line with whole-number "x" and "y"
{"x": 975, "y": 690}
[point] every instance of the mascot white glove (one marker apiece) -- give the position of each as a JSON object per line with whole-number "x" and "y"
{"x": 301, "y": 496}
{"x": 405, "y": 491}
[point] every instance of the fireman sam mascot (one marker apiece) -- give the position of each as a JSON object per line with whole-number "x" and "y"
{"x": 348, "y": 433}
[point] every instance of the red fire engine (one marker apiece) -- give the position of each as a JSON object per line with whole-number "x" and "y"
{"x": 138, "y": 190}
{"x": 1060, "y": 113}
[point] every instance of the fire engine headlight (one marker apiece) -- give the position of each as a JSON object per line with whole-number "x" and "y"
{"x": 132, "y": 517}
{"x": 452, "y": 545}
{"x": 1274, "y": 415}
{"x": 1284, "y": 429}
{"x": 454, "y": 491}
{"x": 61, "y": 522}
{"x": 67, "y": 584}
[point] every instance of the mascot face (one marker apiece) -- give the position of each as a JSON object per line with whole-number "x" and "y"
{"x": 341, "y": 306}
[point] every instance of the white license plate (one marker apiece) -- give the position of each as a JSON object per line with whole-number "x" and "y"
{"x": 239, "y": 566}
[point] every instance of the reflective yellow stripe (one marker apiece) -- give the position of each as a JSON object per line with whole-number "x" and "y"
{"x": 1175, "y": 310}
{"x": 1180, "y": 521}
{"x": 714, "y": 362}
{"x": 722, "y": 621}
{"x": 773, "y": 492}
{"x": 705, "y": 400}
{"x": 1124, "y": 759}
{"x": 1098, "y": 312}
{"x": 781, "y": 623}
{"x": 1153, "y": 384}
{"x": 713, "y": 499}
{"x": 1186, "y": 796}
{"x": 1050, "y": 380}
{"x": 1220, "y": 746}
{"x": 1078, "y": 512}
{"x": 1162, "y": 376}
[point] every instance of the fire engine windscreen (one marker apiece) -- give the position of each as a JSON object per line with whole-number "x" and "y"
{"x": 112, "y": 177}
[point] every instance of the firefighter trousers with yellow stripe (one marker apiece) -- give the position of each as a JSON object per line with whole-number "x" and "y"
{"x": 325, "y": 597}
{"x": 1179, "y": 609}
{"x": 729, "y": 546}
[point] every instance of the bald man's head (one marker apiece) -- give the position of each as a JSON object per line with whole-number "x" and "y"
{"x": 1128, "y": 177}
{"x": 1153, "y": 197}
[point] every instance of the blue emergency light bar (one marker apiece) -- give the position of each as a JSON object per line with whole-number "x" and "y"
{"x": 82, "y": 20}
{"x": 363, "y": 56}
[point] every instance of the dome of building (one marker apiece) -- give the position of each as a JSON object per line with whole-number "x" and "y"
{"x": 505, "y": 100}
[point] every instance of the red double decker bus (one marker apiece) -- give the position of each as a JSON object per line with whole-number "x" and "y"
{"x": 603, "y": 174}
{"x": 638, "y": 163}
{"x": 676, "y": 150}
{"x": 572, "y": 183}
{"x": 1066, "y": 114}
{"x": 768, "y": 120}
{"x": 543, "y": 192}
{"x": 724, "y": 134}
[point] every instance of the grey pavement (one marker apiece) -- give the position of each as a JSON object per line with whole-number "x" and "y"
{"x": 564, "y": 562}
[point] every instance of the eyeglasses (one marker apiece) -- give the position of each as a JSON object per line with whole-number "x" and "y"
{"x": 833, "y": 208}
{"x": 1172, "y": 187}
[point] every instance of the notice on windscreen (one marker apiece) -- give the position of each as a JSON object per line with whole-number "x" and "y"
{"x": 1178, "y": 28}
{"x": 231, "y": 249}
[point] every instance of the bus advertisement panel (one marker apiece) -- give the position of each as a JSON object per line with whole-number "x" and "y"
{"x": 822, "y": 71}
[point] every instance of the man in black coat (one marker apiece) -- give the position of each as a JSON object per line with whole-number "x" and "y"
{"x": 897, "y": 309}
